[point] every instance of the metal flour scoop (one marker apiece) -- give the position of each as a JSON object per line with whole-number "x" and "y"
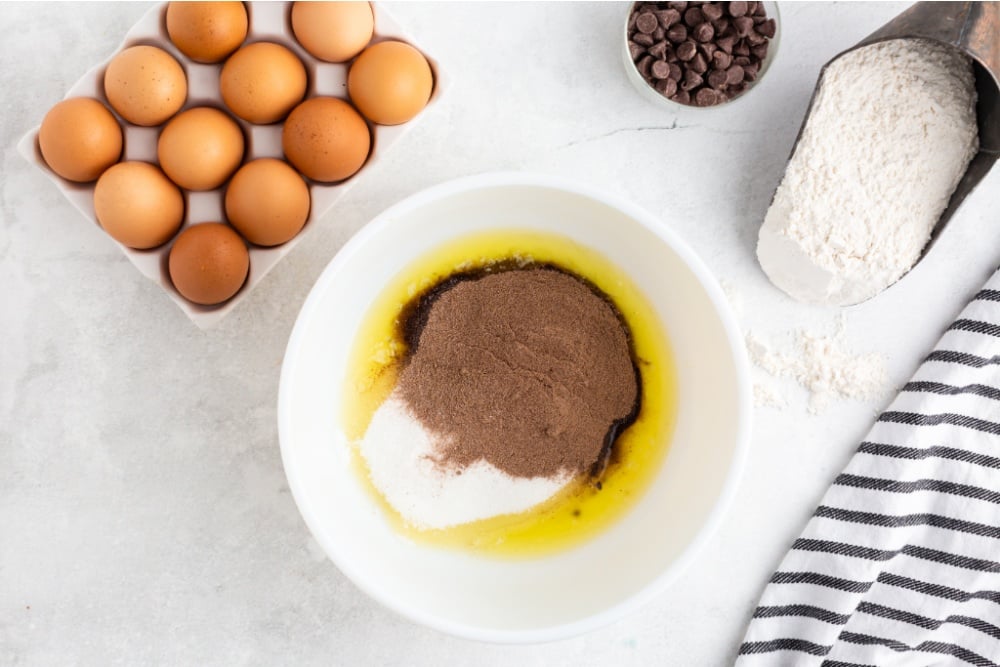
{"x": 973, "y": 28}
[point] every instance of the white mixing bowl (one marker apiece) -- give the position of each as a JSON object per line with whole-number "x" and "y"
{"x": 549, "y": 597}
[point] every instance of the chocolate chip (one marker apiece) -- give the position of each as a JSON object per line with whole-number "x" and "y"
{"x": 743, "y": 25}
{"x": 712, "y": 11}
{"x": 643, "y": 39}
{"x": 691, "y": 80}
{"x": 699, "y": 53}
{"x": 686, "y": 51}
{"x": 658, "y": 50}
{"x": 666, "y": 87}
{"x": 721, "y": 60}
{"x": 677, "y": 33}
{"x": 660, "y": 69}
{"x": 644, "y": 66}
{"x": 699, "y": 64}
{"x": 705, "y": 97}
{"x": 718, "y": 78}
{"x": 693, "y": 17}
{"x": 704, "y": 32}
{"x": 734, "y": 75}
{"x": 646, "y": 22}
{"x": 668, "y": 17}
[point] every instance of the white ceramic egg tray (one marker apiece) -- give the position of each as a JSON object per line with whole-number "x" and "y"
{"x": 269, "y": 21}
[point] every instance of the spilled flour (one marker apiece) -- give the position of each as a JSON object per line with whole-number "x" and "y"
{"x": 822, "y": 364}
{"x": 766, "y": 397}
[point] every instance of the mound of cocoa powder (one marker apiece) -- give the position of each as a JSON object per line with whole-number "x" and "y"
{"x": 529, "y": 370}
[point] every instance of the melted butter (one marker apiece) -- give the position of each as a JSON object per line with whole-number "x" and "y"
{"x": 581, "y": 510}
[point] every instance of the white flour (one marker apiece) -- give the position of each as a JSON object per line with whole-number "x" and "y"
{"x": 766, "y": 397}
{"x": 823, "y": 365}
{"x": 401, "y": 458}
{"x": 891, "y": 132}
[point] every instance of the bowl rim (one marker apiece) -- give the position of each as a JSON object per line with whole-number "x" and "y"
{"x": 674, "y": 569}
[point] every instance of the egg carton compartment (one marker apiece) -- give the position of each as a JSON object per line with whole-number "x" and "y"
{"x": 269, "y": 22}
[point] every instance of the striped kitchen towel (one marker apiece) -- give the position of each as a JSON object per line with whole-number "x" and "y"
{"x": 900, "y": 564}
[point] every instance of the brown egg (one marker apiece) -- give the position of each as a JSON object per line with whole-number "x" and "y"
{"x": 326, "y": 139}
{"x": 145, "y": 85}
{"x": 207, "y": 32}
{"x": 137, "y": 205}
{"x": 79, "y": 139}
{"x": 267, "y": 202}
{"x": 262, "y": 82}
{"x": 390, "y": 82}
{"x": 333, "y": 31}
{"x": 208, "y": 263}
{"x": 200, "y": 148}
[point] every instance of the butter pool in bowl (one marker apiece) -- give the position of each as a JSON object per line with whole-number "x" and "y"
{"x": 537, "y": 591}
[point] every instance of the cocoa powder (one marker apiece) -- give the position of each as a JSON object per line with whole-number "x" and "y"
{"x": 529, "y": 370}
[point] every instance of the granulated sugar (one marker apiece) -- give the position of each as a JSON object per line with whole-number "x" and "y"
{"x": 822, "y": 364}
{"x": 891, "y": 132}
{"x": 402, "y": 459}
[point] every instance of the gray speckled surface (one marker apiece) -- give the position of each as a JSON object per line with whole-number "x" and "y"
{"x": 144, "y": 515}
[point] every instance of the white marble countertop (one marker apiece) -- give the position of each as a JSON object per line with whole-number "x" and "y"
{"x": 144, "y": 513}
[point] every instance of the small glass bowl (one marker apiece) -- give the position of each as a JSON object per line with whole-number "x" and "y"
{"x": 654, "y": 96}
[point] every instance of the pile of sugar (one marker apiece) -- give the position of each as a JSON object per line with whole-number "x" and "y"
{"x": 891, "y": 132}
{"x": 401, "y": 456}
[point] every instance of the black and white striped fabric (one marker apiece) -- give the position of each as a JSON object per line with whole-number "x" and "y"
{"x": 900, "y": 564}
